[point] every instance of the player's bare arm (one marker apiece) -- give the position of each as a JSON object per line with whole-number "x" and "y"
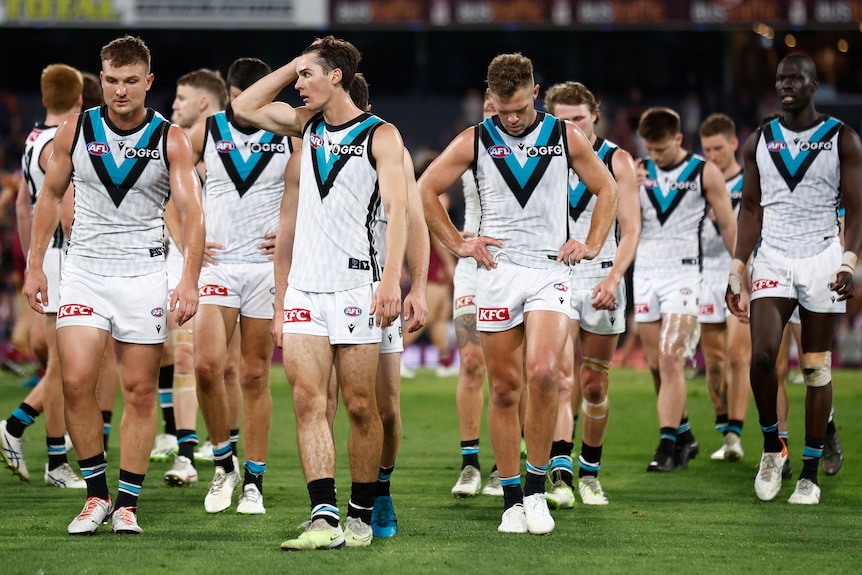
{"x": 186, "y": 193}
{"x": 842, "y": 282}
{"x": 255, "y": 104}
{"x": 442, "y": 174}
{"x": 388, "y": 152}
{"x": 716, "y": 194}
{"x": 284, "y": 243}
{"x": 46, "y": 214}
{"x": 749, "y": 226}
{"x": 629, "y": 219}
{"x": 418, "y": 252}
{"x": 598, "y": 180}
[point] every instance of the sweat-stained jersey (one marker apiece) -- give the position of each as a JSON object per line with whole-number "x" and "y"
{"x": 244, "y": 186}
{"x": 339, "y": 199}
{"x": 800, "y": 181}
{"x": 673, "y": 210}
{"x": 523, "y": 186}
{"x": 121, "y": 184}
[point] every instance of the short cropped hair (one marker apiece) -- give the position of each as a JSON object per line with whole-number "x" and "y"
{"x": 92, "y": 95}
{"x": 570, "y": 94}
{"x": 718, "y": 124}
{"x": 359, "y": 91}
{"x": 208, "y": 81}
{"x": 244, "y": 72}
{"x": 126, "y": 51}
{"x": 334, "y": 53}
{"x": 658, "y": 123}
{"x": 507, "y": 73}
{"x": 61, "y": 87}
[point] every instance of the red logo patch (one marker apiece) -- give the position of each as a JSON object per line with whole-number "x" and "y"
{"x": 707, "y": 309}
{"x": 493, "y": 314}
{"x": 211, "y": 289}
{"x": 315, "y": 140}
{"x": 763, "y": 284}
{"x": 225, "y": 146}
{"x": 98, "y": 149}
{"x": 74, "y": 309}
{"x": 296, "y": 315}
{"x": 776, "y": 146}
{"x": 641, "y": 308}
{"x": 465, "y": 301}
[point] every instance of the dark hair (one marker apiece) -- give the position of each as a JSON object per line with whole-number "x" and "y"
{"x": 359, "y": 91}
{"x": 657, "y": 124}
{"x": 209, "y": 81}
{"x": 92, "y": 95}
{"x": 508, "y": 73}
{"x": 570, "y": 94}
{"x": 126, "y": 51}
{"x": 246, "y": 71}
{"x": 333, "y": 53}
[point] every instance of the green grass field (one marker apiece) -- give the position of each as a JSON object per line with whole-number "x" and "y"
{"x": 705, "y": 519}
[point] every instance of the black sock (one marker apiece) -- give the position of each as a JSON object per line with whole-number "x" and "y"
{"x": 254, "y": 474}
{"x": 20, "y": 419}
{"x": 771, "y": 441}
{"x": 561, "y": 461}
{"x": 512, "y": 492}
{"x": 234, "y": 439}
{"x": 734, "y": 426}
{"x": 667, "y": 445}
{"x": 383, "y": 477}
{"x": 590, "y": 460}
{"x": 470, "y": 453}
{"x": 129, "y": 490}
{"x": 323, "y": 503}
{"x": 93, "y": 471}
{"x": 721, "y": 422}
{"x": 361, "y": 501}
{"x": 166, "y": 398}
{"x": 56, "y": 452}
{"x": 106, "y": 426}
{"x": 188, "y": 440}
{"x": 683, "y": 433}
{"x": 811, "y": 457}
{"x": 830, "y": 428}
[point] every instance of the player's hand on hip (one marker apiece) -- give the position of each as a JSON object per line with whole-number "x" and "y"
{"x": 842, "y": 283}
{"x": 386, "y": 303}
{"x": 477, "y": 248}
{"x": 184, "y": 300}
{"x": 267, "y": 246}
{"x": 211, "y": 250}
{"x": 36, "y": 289}
{"x": 574, "y": 251}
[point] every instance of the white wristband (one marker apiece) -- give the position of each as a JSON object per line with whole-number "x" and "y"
{"x": 734, "y": 280}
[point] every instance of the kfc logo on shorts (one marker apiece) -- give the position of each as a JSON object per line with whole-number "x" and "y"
{"x": 499, "y": 152}
{"x": 561, "y": 287}
{"x": 776, "y": 146}
{"x": 316, "y": 141}
{"x": 157, "y": 312}
{"x": 707, "y": 309}
{"x": 763, "y": 284}
{"x": 465, "y": 301}
{"x": 98, "y": 149}
{"x": 74, "y": 310}
{"x": 296, "y": 315}
{"x": 211, "y": 289}
{"x": 225, "y": 146}
{"x": 352, "y": 311}
{"x": 685, "y": 291}
{"x": 493, "y": 314}
{"x": 641, "y": 308}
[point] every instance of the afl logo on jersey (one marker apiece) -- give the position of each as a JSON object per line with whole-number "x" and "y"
{"x": 650, "y": 183}
{"x": 98, "y": 148}
{"x": 225, "y": 146}
{"x": 316, "y": 141}
{"x": 498, "y": 152}
{"x": 776, "y": 146}
{"x": 352, "y": 311}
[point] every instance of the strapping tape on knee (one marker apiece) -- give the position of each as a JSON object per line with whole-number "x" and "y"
{"x": 602, "y": 366}
{"x": 595, "y": 410}
{"x": 182, "y": 337}
{"x": 817, "y": 368}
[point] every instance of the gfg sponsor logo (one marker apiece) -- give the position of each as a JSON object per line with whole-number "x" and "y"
{"x": 345, "y": 150}
{"x": 498, "y": 152}
{"x": 296, "y": 315}
{"x": 537, "y": 151}
{"x": 814, "y": 146}
{"x": 134, "y": 153}
{"x": 211, "y": 289}
{"x": 493, "y": 314}
{"x": 352, "y": 311}
{"x": 776, "y": 146}
{"x": 74, "y": 309}
{"x": 763, "y": 284}
{"x": 98, "y": 148}
{"x": 267, "y": 147}
{"x": 225, "y": 146}
{"x": 684, "y": 186}
{"x": 316, "y": 141}
{"x": 465, "y": 301}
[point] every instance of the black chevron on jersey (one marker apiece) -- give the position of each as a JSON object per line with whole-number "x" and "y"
{"x": 794, "y": 169}
{"x": 665, "y": 204}
{"x": 229, "y": 160}
{"x": 325, "y": 171}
